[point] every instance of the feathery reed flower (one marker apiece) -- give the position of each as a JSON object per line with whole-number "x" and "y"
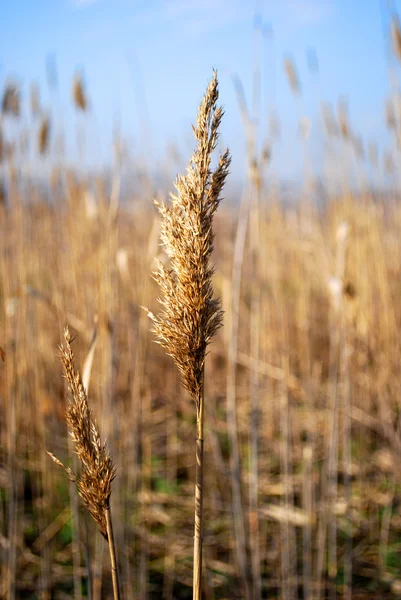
{"x": 190, "y": 315}
{"x": 97, "y": 473}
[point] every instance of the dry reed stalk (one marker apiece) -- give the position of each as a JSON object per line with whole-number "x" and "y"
{"x": 255, "y": 328}
{"x": 35, "y": 100}
{"x": 190, "y": 315}
{"x": 308, "y": 449}
{"x": 249, "y": 211}
{"x": 390, "y": 117}
{"x": 329, "y": 120}
{"x": 274, "y": 127}
{"x": 327, "y": 529}
{"x": 373, "y": 154}
{"x": 388, "y": 163}
{"x": 288, "y": 536}
{"x": 97, "y": 468}
{"x": 255, "y": 175}
{"x": 107, "y": 307}
{"x": 232, "y": 424}
{"x": 246, "y": 572}
{"x": 13, "y": 406}
{"x": 2, "y": 146}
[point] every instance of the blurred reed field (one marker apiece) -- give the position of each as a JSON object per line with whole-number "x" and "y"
{"x": 302, "y": 392}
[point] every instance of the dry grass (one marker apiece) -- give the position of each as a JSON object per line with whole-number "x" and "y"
{"x": 303, "y": 383}
{"x": 150, "y": 427}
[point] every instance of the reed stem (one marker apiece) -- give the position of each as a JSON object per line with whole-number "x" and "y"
{"x": 113, "y": 556}
{"x": 198, "y": 533}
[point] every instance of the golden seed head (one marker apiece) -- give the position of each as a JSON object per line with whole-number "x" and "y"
{"x": 190, "y": 316}
{"x": 97, "y": 468}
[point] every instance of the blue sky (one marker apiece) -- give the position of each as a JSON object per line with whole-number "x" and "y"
{"x": 147, "y": 64}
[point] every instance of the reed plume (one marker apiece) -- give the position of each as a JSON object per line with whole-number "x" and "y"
{"x": 11, "y": 101}
{"x": 343, "y": 119}
{"x": 79, "y": 93}
{"x": 292, "y": 76}
{"x": 44, "y": 135}
{"x": 396, "y": 37}
{"x": 190, "y": 315}
{"x": 97, "y": 468}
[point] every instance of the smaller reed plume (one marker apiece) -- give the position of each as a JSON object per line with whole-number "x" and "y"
{"x": 97, "y": 468}
{"x": 292, "y": 75}
{"x": 396, "y": 37}
{"x": 79, "y": 93}
{"x": 11, "y": 101}
{"x": 44, "y": 135}
{"x": 190, "y": 315}
{"x": 343, "y": 119}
